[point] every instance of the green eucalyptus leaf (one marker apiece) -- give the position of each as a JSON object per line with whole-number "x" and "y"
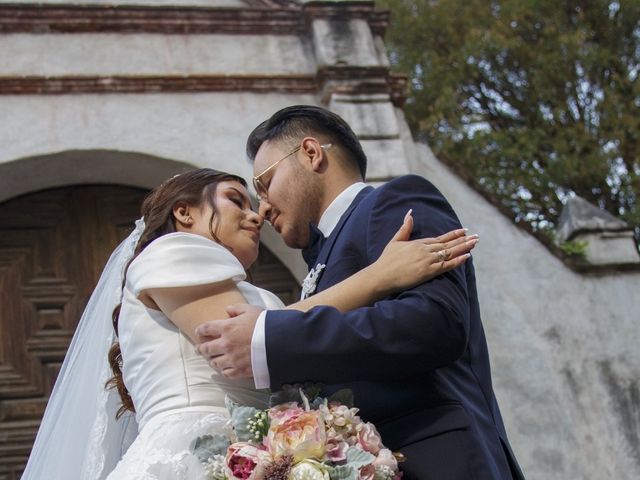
{"x": 344, "y": 472}
{"x": 357, "y": 458}
{"x": 240, "y": 417}
{"x": 206, "y": 446}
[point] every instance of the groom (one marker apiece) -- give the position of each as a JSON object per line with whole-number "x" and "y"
{"x": 416, "y": 362}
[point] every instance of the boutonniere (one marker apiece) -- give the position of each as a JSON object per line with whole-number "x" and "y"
{"x": 311, "y": 280}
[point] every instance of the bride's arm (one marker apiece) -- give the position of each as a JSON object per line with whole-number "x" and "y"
{"x": 188, "y": 307}
{"x": 403, "y": 264}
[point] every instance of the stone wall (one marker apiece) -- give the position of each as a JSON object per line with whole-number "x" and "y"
{"x": 563, "y": 346}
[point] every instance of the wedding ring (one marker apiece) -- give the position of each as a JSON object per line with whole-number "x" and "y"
{"x": 441, "y": 256}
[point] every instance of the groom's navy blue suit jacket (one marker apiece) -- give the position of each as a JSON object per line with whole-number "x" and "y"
{"x": 417, "y": 362}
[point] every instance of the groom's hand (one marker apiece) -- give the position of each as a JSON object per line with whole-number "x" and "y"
{"x": 226, "y": 344}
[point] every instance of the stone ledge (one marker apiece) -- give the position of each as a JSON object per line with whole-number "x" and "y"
{"x": 65, "y": 85}
{"x": 607, "y": 241}
{"x": 129, "y": 19}
{"x": 378, "y": 20}
{"x": 328, "y": 81}
{"x": 355, "y": 80}
{"x": 273, "y": 17}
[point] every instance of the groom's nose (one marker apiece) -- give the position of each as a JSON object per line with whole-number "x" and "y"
{"x": 264, "y": 209}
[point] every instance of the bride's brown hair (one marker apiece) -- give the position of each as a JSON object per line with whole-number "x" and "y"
{"x": 193, "y": 188}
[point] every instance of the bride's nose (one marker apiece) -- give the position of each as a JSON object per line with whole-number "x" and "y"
{"x": 256, "y": 218}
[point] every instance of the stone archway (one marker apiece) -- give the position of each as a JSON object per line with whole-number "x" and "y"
{"x": 82, "y": 167}
{"x": 85, "y": 167}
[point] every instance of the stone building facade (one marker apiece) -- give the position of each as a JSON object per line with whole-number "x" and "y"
{"x": 102, "y": 100}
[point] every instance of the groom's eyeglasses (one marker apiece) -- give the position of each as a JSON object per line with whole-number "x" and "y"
{"x": 261, "y": 188}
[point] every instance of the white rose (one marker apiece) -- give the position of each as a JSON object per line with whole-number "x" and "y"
{"x": 309, "y": 470}
{"x": 385, "y": 458}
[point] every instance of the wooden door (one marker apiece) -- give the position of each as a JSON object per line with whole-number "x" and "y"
{"x": 53, "y": 246}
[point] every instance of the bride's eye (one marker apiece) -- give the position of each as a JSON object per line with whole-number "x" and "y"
{"x": 237, "y": 201}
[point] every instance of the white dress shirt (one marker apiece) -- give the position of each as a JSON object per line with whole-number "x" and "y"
{"x": 328, "y": 222}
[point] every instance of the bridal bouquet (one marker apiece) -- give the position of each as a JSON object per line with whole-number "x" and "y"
{"x": 320, "y": 440}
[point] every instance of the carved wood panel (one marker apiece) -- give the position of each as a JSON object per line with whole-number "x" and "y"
{"x": 53, "y": 246}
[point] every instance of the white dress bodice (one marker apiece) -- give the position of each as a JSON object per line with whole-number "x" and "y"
{"x": 161, "y": 368}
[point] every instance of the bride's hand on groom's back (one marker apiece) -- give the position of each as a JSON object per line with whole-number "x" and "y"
{"x": 406, "y": 263}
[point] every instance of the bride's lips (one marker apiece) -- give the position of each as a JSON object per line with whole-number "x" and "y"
{"x": 254, "y": 231}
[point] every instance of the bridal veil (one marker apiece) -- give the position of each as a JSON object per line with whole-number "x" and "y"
{"x": 79, "y": 437}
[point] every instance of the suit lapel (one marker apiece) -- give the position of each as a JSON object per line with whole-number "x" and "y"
{"x": 329, "y": 243}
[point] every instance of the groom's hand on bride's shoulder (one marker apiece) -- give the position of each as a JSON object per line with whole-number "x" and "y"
{"x": 226, "y": 343}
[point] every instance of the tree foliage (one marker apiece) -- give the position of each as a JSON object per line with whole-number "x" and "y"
{"x": 532, "y": 100}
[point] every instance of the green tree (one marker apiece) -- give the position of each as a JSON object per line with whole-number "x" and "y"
{"x": 530, "y": 100}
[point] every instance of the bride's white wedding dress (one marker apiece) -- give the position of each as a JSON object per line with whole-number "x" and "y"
{"x": 177, "y": 396}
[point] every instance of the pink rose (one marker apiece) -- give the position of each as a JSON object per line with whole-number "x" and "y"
{"x": 336, "y": 451}
{"x": 297, "y": 433}
{"x": 245, "y": 461}
{"x": 282, "y": 412}
{"x": 368, "y": 472}
{"x": 369, "y": 438}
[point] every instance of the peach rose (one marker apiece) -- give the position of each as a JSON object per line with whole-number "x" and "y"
{"x": 297, "y": 433}
{"x": 282, "y": 412}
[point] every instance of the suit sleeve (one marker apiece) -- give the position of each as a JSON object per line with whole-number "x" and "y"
{"x": 420, "y": 329}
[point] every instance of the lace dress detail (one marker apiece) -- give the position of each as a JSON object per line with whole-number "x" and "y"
{"x": 161, "y": 451}
{"x": 178, "y": 397}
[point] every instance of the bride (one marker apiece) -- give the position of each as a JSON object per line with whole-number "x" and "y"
{"x": 183, "y": 264}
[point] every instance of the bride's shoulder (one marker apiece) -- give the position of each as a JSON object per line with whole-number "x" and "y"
{"x": 181, "y": 259}
{"x": 180, "y": 240}
{"x": 181, "y": 246}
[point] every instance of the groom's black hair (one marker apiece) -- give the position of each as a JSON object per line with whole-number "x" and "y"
{"x": 297, "y": 121}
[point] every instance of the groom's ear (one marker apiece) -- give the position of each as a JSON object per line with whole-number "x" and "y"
{"x": 182, "y": 214}
{"x": 314, "y": 153}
